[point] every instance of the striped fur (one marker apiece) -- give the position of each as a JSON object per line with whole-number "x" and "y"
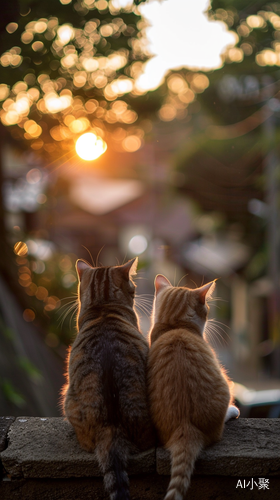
{"x": 188, "y": 391}
{"x": 105, "y": 398}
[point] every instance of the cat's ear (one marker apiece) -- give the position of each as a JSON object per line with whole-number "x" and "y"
{"x": 161, "y": 282}
{"x": 130, "y": 268}
{"x": 205, "y": 290}
{"x": 81, "y": 265}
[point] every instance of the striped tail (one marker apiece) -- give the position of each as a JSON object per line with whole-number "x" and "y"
{"x": 113, "y": 464}
{"x": 185, "y": 448}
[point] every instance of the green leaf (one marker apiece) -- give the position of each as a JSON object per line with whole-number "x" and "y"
{"x": 33, "y": 372}
{"x": 11, "y": 393}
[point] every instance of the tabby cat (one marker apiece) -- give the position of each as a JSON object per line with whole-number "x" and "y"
{"x": 188, "y": 390}
{"x": 105, "y": 398}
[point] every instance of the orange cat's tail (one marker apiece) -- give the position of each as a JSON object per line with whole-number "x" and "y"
{"x": 113, "y": 461}
{"x": 185, "y": 446}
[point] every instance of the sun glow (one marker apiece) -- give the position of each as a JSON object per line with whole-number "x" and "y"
{"x": 89, "y": 146}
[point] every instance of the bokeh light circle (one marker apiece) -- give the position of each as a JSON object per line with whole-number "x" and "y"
{"x": 20, "y": 248}
{"x": 138, "y": 244}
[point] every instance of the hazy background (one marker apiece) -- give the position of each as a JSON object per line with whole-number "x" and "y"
{"x": 182, "y": 170}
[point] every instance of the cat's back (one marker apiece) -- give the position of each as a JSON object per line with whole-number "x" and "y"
{"x": 111, "y": 352}
{"x": 108, "y": 333}
{"x": 180, "y": 346}
{"x": 185, "y": 380}
{"x": 183, "y": 353}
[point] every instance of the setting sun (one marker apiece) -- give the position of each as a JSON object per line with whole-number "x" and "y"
{"x": 90, "y": 147}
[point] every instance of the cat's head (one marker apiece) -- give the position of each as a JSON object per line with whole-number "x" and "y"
{"x": 175, "y": 306}
{"x": 100, "y": 286}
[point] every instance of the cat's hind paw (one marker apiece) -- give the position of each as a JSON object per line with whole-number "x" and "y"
{"x": 232, "y": 412}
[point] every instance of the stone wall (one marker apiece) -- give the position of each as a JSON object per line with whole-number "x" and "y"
{"x": 41, "y": 459}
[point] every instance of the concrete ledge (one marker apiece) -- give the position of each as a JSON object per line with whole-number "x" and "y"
{"x": 43, "y": 460}
{"x": 47, "y": 447}
{"x": 5, "y": 423}
{"x": 250, "y": 447}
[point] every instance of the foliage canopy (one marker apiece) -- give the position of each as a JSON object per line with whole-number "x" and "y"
{"x": 70, "y": 67}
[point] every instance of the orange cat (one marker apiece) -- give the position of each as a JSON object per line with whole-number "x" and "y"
{"x": 189, "y": 392}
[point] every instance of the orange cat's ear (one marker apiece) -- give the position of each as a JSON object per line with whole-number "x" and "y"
{"x": 205, "y": 290}
{"x": 130, "y": 268}
{"x": 81, "y": 265}
{"x": 161, "y": 282}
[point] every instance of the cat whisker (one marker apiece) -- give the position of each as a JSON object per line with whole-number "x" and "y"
{"x": 213, "y": 339}
{"x": 145, "y": 302}
{"x": 145, "y": 306}
{"x": 181, "y": 279}
{"x": 73, "y": 315}
{"x": 65, "y": 306}
{"x": 210, "y": 337}
{"x": 219, "y": 325}
{"x": 214, "y": 320}
{"x": 142, "y": 297}
{"x": 214, "y": 330}
{"x": 63, "y": 316}
{"x": 215, "y": 305}
{"x": 97, "y": 265}
{"x": 142, "y": 309}
{"x": 194, "y": 283}
{"x": 124, "y": 259}
{"x": 136, "y": 278}
{"x": 213, "y": 299}
{"x": 89, "y": 255}
{"x": 145, "y": 295}
{"x": 65, "y": 298}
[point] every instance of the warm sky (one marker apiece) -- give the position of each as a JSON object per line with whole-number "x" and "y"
{"x": 181, "y": 35}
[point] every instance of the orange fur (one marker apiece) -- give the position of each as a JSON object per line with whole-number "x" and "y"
{"x": 189, "y": 392}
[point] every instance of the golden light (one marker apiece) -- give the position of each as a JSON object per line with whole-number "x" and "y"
{"x": 235, "y": 55}
{"x": 22, "y": 105}
{"x": 275, "y": 21}
{"x": 267, "y": 57}
{"x": 11, "y": 27}
{"x": 255, "y": 21}
{"x": 90, "y": 147}
{"x": 200, "y": 82}
{"x": 65, "y": 33}
{"x": 167, "y": 112}
{"x": 122, "y": 86}
{"x": 55, "y": 104}
{"x": 131, "y": 143}
{"x": 20, "y": 248}
{"x": 79, "y": 125}
{"x": 40, "y": 26}
{"x": 10, "y": 118}
{"x": 176, "y": 84}
{"x": 28, "y": 315}
{"x": 4, "y": 91}
{"x": 90, "y": 64}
